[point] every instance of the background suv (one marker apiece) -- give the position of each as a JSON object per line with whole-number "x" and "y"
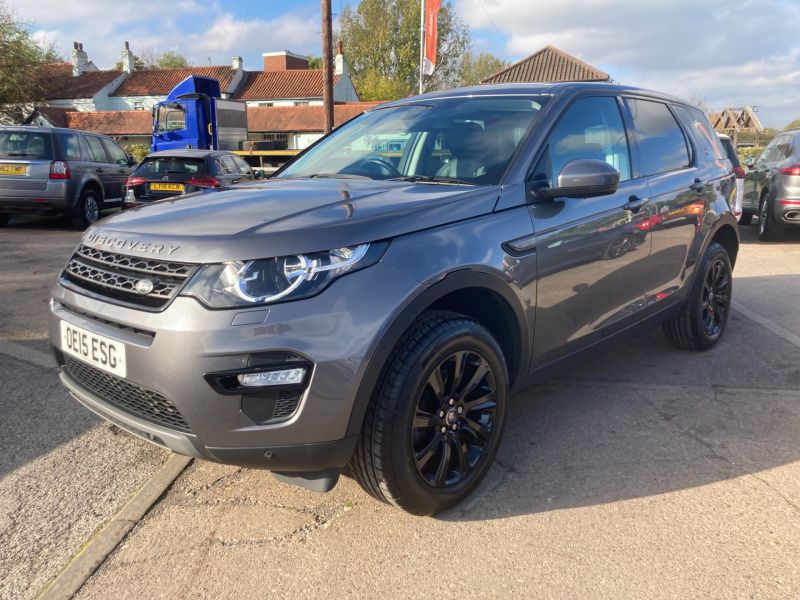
{"x": 175, "y": 172}
{"x": 377, "y": 311}
{"x": 50, "y": 170}
{"x": 772, "y": 187}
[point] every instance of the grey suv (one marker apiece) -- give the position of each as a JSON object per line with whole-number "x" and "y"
{"x": 375, "y": 304}
{"x": 48, "y": 170}
{"x": 772, "y": 187}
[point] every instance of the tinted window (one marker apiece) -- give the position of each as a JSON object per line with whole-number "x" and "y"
{"x": 772, "y": 152}
{"x": 730, "y": 151}
{"x": 25, "y": 144}
{"x": 589, "y": 129}
{"x": 161, "y": 166}
{"x": 466, "y": 138}
{"x": 244, "y": 168}
{"x": 116, "y": 153}
{"x": 228, "y": 166}
{"x": 662, "y": 146}
{"x": 96, "y": 149}
{"x": 70, "y": 145}
{"x": 704, "y": 134}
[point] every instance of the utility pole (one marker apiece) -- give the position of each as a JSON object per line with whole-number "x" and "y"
{"x": 421, "y": 44}
{"x": 327, "y": 64}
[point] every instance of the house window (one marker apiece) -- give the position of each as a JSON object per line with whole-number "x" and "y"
{"x": 138, "y": 105}
{"x": 276, "y": 137}
{"x": 265, "y": 104}
{"x": 301, "y": 103}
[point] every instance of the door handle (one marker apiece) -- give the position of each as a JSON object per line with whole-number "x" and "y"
{"x": 634, "y": 204}
{"x": 98, "y": 170}
{"x": 698, "y": 185}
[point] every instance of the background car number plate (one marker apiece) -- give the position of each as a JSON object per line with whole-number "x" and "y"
{"x": 97, "y": 350}
{"x": 167, "y": 187}
{"x": 6, "y": 169}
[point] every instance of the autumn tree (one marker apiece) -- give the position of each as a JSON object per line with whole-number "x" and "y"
{"x": 475, "y": 68}
{"x": 381, "y": 41}
{"x": 20, "y": 55}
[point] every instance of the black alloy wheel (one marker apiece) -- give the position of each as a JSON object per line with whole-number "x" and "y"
{"x": 716, "y": 297}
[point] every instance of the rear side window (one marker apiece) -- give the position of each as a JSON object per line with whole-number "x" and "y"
{"x": 730, "y": 151}
{"x": 162, "y": 166}
{"x": 662, "y": 146}
{"x": 591, "y": 128}
{"x": 116, "y": 153}
{"x": 704, "y": 134}
{"x": 228, "y": 166}
{"x": 25, "y": 145}
{"x": 96, "y": 150}
{"x": 70, "y": 145}
{"x": 244, "y": 168}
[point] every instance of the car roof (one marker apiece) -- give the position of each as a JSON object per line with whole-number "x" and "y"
{"x": 188, "y": 153}
{"x": 554, "y": 89}
{"x": 39, "y": 129}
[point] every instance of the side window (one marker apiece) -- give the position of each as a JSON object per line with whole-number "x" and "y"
{"x": 704, "y": 134}
{"x": 228, "y": 165}
{"x": 771, "y": 153}
{"x": 70, "y": 145}
{"x": 591, "y": 128}
{"x": 784, "y": 147}
{"x": 96, "y": 149}
{"x": 662, "y": 145}
{"x": 116, "y": 153}
{"x": 244, "y": 168}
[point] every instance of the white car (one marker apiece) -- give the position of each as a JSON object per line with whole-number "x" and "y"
{"x": 727, "y": 143}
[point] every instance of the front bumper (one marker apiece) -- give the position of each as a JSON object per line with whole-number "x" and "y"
{"x": 172, "y": 351}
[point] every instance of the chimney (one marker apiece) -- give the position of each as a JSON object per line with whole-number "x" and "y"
{"x": 80, "y": 60}
{"x": 237, "y": 64}
{"x": 128, "y": 60}
{"x": 339, "y": 64}
{"x": 284, "y": 61}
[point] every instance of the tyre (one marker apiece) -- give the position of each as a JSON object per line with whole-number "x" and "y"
{"x": 768, "y": 229}
{"x": 746, "y": 219}
{"x": 702, "y": 321}
{"x": 4, "y": 219}
{"x": 87, "y": 210}
{"x": 436, "y": 417}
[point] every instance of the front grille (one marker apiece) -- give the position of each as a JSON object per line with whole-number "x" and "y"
{"x": 114, "y": 276}
{"x": 134, "y": 399}
{"x": 286, "y": 405}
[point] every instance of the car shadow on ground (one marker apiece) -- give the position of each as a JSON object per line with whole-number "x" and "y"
{"x": 35, "y": 223}
{"x": 639, "y": 418}
{"x": 748, "y": 234}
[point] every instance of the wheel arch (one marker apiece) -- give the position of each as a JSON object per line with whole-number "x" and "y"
{"x": 479, "y": 295}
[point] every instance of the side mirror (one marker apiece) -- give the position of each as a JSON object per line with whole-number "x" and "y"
{"x": 749, "y": 162}
{"x": 583, "y": 178}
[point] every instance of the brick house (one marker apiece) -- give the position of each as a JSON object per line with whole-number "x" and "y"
{"x": 546, "y": 66}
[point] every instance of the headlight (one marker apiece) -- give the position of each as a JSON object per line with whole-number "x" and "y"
{"x": 269, "y": 280}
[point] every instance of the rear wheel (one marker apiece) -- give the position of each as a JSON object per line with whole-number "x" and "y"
{"x": 87, "y": 211}
{"x": 4, "y": 219}
{"x": 768, "y": 229}
{"x": 433, "y": 428}
{"x": 702, "y": 321}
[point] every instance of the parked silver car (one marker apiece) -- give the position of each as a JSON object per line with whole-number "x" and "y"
{"x": 772, "y": 187}
{"x": 48, "y": 170}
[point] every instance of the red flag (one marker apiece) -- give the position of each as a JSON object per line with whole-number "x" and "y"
{"x": 431, "y": 13}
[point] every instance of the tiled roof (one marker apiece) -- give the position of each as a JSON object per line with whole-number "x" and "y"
{"x": 547, "y": 65}
{"x": 112, "y": 122}
{"x": 57, "y": 82}
{"x": 294, "y": 83}
{"x": 301, "y": 118}
{"x": 58, "y": 117}
{"x": 159, "y": 82}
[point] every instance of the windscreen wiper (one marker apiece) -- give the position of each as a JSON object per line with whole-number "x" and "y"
{"x": 337, "y": 176}
{"x": 432, "y": 179}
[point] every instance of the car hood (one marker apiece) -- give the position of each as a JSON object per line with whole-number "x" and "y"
{"x": 285, "y": 216}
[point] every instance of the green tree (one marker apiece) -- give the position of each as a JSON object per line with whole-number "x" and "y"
{"x": 19, "y": 54}
{"x": 793, "y": 125}
{"x": 151, "y": 58}
{"x": 476, "y": 68}
{"x": 381, "y": 41}
{"x": 314, "y": 62}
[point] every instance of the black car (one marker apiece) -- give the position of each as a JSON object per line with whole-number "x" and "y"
{"x": 175, "y": 172}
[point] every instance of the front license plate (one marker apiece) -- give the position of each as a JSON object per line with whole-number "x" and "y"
{"x": 7, "y": 169}
{"x": 167, "y": 187}
{"x": 97, "y": 350}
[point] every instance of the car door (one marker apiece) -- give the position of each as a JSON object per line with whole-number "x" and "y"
{"x": 680, "y": 185}
{"x": 244, "y": 168}
{"x": 591, "y": 252}
{"x": 119, "y": 167}
{"x": 101, "y": 168}
{"x": 230, "y": 172}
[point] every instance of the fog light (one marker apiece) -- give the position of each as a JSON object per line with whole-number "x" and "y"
{"x": 268, "y": 378}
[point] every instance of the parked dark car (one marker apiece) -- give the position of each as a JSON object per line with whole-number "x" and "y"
{"x": 176, "y": 172}
{"x": 49, "y": 170}
{"x": 738, "y": 170}
{"x": 772, "y": 187}
{"x": 372, "y": 314}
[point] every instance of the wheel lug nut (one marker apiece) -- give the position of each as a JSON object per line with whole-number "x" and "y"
{"x": 452, "y": 401}
{"x": 444, "y": 429}
{"x": 441, "y": 414}
{"x": 455, "y": 427}
{"x": 460, "y": 409}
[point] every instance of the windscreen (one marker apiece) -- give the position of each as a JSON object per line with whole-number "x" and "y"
{"x": 25, "y": 145}
{"x": 171, "y": 167}
{"x": 457, "y": 140}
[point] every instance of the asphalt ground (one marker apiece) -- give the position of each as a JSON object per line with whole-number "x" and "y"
{"x": 643, "y": 472}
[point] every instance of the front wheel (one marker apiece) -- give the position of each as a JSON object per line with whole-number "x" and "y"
{"x": 702, "y": 321}
{"x": 434, "y": 425}
{"x": 768, "y": 229}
